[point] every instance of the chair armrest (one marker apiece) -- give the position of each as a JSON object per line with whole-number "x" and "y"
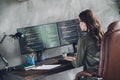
{"x": 86, "y": 74}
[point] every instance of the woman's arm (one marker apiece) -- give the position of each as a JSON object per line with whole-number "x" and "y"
{"x": 78, "y": 59}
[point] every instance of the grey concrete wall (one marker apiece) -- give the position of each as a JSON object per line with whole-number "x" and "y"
{"x": 14, "y": 14}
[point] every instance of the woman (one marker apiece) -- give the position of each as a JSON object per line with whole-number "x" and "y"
{"x": 89, "y": 44}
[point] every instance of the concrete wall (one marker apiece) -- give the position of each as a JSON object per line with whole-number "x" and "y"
{"x": 14, "y": 14}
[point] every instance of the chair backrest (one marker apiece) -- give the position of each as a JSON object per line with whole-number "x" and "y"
{"x": 109, "y": 68}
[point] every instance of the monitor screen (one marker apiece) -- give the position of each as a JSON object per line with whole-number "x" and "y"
{"x": 37, "y": 38}
{"x": 68, "y": 32}
{"x": 41, "y": 37}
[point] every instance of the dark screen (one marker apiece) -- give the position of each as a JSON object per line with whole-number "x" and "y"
{"x": 37, "y": 38}
{"x": 68, "y": 31}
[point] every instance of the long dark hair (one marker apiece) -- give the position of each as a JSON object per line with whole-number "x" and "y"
{"x": 93, "y": 25}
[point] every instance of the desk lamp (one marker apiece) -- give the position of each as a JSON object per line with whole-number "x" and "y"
{"x": 15, "y": 36}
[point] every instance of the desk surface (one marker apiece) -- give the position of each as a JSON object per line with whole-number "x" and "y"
{"x": 33, "y": 73}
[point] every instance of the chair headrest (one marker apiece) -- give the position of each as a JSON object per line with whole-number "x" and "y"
{"x": 114, "y": 26}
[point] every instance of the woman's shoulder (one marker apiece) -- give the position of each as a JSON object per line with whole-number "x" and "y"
{"x": 88, "y": 39}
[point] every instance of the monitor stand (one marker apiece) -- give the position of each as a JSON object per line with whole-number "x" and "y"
{"x": 75, "y": 47}
{"x": 39, "y": 56}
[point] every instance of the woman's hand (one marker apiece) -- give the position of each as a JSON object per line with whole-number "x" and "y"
{"x": 69, "y": 58}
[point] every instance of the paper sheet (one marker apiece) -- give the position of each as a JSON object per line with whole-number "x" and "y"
{"x": 45, "y": 67}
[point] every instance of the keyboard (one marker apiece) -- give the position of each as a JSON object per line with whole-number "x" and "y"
{"x": 62, "y": 61}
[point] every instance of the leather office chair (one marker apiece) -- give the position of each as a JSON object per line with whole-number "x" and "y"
{"x": 109, "y": 67}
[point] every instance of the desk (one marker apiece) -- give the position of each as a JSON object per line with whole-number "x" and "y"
{"x": 18, "y": 74}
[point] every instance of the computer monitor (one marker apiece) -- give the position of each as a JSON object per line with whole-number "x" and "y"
{"x": 46, "y": 36}
{"x": 37, "y": 38}
{"x": 68, "y": 31}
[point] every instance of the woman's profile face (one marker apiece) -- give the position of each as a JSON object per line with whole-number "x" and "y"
{"x": 83, "y": 26}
